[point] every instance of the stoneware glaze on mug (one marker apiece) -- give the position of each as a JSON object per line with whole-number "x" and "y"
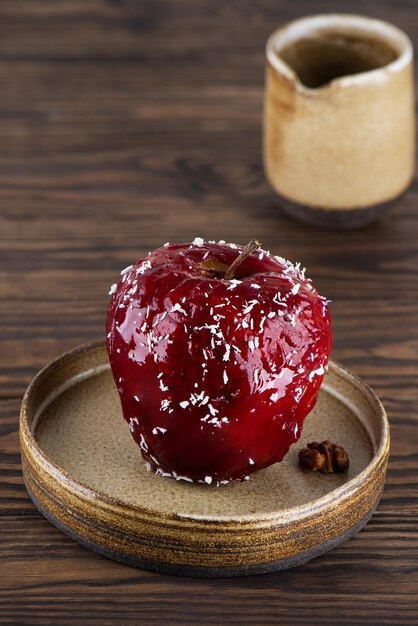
{"x": 339, "y": 122}
{"x": 86, "y": 475}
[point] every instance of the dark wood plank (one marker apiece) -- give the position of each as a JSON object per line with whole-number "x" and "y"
{"x": 126, "y": 124}
{"x": 87, "y": 589}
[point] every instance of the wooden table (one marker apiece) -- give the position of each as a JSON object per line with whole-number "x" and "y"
{"x": 126, "y": 124}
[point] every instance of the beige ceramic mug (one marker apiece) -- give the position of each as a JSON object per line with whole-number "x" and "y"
{"x": 339, "y": 122}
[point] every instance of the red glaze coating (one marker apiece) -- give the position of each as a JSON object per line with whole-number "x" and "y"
{"x": 216, "y": 377}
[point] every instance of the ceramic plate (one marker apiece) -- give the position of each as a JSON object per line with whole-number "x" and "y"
{"x": 86, "y": 475}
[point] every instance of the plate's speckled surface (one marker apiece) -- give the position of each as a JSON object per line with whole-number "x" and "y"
{"x": 86, "y": 474}
{"x": 84, "y": 432}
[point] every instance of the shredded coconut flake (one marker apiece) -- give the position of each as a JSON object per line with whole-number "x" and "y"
{"x": 146, "y": 265}
{"x": 318, "y": 372}
{"x": 250, "y": 306}
{"x": 132, "y": 421}
{"x": 162, "y": 386}
{"x": 212, "y": 410}
{"x": 233, "y": 283}
{"x": 186, "y": 478}
{"x": 158, "y": 429}
{"x": 178, "y": 307}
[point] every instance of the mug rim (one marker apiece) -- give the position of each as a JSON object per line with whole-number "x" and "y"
{"x": 297, "y": 29}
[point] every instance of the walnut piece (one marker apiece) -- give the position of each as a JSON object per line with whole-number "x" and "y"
{"x": 325, "y": 457}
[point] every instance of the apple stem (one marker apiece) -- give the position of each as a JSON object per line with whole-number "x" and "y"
{"x": 251, "y": 247}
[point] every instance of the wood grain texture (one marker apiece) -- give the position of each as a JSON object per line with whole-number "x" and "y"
{"x": 126, "y": 124}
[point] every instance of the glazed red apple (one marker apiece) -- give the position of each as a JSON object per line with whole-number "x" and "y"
{"x": 216, "y": 375}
